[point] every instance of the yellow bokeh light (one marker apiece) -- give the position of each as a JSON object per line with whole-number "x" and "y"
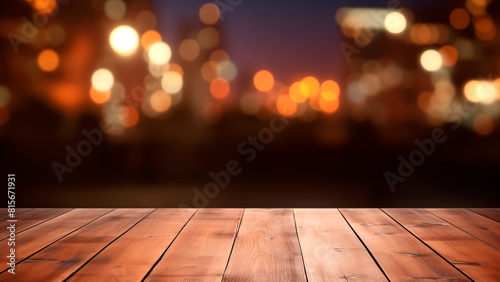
{"x": 263, "y": 80}
{"x": 149, "y": 38}
{"x": 160, "y": 101}
{"x": 483, "y": 91}
{"x": 328, "y": 106}
{"x": 286, "y": 106}
{"x": 395, "y": 22}
{"x": 48, "y": 60}
{"x": 330, "y": 90}
{"x": 189, "y": 49}
{"x": 209, "y": 13}
{"x": 124, "y": 40}
{"x": 296, "y": 94}
{"x": 159, "y": 53}
{"x": 99, "y": 97}
{"x": 431, "y": 60}
{"x": 219, "y": 88}
{"x": 102, "y": 80}
{"x": 171, "y": 82}
{"x": 309, "y": 86}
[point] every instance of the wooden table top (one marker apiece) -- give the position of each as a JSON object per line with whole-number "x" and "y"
{"x": 252, "y": 245}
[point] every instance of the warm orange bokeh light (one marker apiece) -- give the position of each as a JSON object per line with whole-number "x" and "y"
{"x": 149, "y": 38}
{"x": 286, "y": 106}
{"x": 295, "y": 93}
{"x": 209, "y": 13}
{"x": 483, "y": 124}
{"x": 99, "y": 97}
{"x": 330, "y": 90}
{"x": 219, "y": 88}
{"x": 129, "y": 116}
{"x": 263, "y": 80}
{"x": 460, "y": 18}
{"x": 328, "y": 106}
{"x": 309, "y": 86}
{"x": 449, "y": 54}
{"x": 174, "y": 67}
{"x": 48, "y": 60}
{"x": 4, "y": 114}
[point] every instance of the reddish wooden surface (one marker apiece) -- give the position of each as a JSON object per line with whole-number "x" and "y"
{"x": 253, "y": 245}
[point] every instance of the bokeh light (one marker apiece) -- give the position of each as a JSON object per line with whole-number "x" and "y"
{"x": 328, "y": 106}
{"x": 160, "y": 101}
{"x": 209, "y": 13}
{"x": 449, "y": 54}
{"x": 296, "y": 94}
{"x": 395, "y": 22}
{"x": 149, "y": 38}
{"x": 309, "y": 86}
{"x": 128, "y": 116}
{"x": 48, "y": 60}
{"x": 159, "y": 53}
{"x": 330, "y": 90}
{"x": 263, "y": 80}
{"x": 483, "y": 124}
{"x": 99, "y": 97}
{"x": 249, "y": 104}
{"x": 286, "y": 106}
{"x": 189, "y": 49}
{"x": 481, "y": 91}
{"x": 124, "y": 40}
{"x": 460, "y": 18}
{"x": 171, "y": 82}
{"x": 431, "y": 60}
{"x": 208, "y": 37}
{"x": 115, "y": 9}
{"x": 102, "y": 80}
{"x": 219, "y": 88}
{"x": 4, "y": 95}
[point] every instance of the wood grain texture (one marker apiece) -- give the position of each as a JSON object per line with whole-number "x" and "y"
{"x": 483, "y": 228}
{"x": 489, "y": 213}
{"x": 30, "y": 218}
{"x": 201, "y": 250}
{"x": 401, "y": 256}
{"x": 59, "y": 260}
{"x": 266, "y": 249}
{"x": 132, "y": 255}
{"x": 5, "y": 214}
{"x": 476, "y": 259}
{"x": 331, "y": 250}
{"x": 40, "y": 236}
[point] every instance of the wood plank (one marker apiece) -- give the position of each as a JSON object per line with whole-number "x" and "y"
{"x": 30, "y": 218}
{"x": 40, "y": 236}
{"x": 476, "y": 259}
{"x": 400, "y": 254}
{"x": 59, "y": 260}
{"x": 331, "y": 250}
{"x": 489, "y": 213}
{"x": 201, "y": 250}
{"x": 266, "y": 249}
{"x": 5, "y": 213}
{"x": 131, "y": 256}
{"x": 483, "y": 228}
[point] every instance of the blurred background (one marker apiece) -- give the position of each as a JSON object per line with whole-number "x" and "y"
{"x": 169, "y": 90}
